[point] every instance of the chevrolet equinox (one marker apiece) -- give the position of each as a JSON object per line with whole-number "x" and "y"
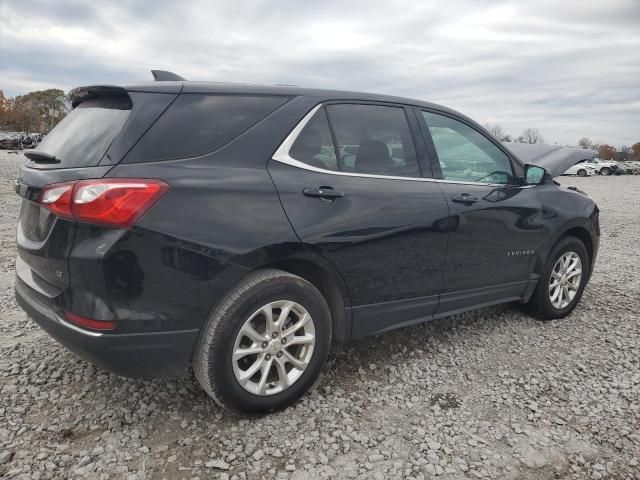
{"x": 242, "y": 230}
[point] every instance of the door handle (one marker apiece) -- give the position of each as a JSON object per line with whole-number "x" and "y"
{"x": 464, "y": 198}
{"x": 328, "y": 193}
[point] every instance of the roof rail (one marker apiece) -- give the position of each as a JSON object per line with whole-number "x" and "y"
{"x": 165, "y": 76}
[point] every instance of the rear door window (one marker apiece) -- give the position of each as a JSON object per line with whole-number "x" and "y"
{"x": 197, "y": 124}
{"x": 374, "y": 139}
{"x": 84, "y": 135}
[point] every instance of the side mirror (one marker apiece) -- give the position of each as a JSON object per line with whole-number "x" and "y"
{"x": 533, "y": 174}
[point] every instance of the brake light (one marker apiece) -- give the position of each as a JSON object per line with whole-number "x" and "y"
{"x": 117, "y": 202}
{"x": 90, "y": 322}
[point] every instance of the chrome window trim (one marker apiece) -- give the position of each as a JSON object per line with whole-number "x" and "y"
{"x": 282, "y": 155}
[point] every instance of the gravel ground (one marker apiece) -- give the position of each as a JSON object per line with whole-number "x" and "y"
{"x": 488, "y": 394}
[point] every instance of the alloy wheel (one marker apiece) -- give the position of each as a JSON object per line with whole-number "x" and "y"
{"x": 564, "y": 283}
{"x": 273, "y": 347}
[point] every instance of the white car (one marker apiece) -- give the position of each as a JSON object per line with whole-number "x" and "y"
{"x": 581, "y": 169}
{"x": 603, "y": 167}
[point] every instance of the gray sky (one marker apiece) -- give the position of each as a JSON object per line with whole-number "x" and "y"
{"x": 569, "y": 68}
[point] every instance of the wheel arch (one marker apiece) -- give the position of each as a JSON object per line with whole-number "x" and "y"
{"x": 331, "y": 286}
{"x": 583, "y": 235}
{"x": 578, "y": 230}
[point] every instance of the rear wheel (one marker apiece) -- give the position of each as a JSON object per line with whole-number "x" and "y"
{"x": 605, "y": 171}
{"x": 582, "y": 172}
{"x": 264, "y": 344}
{"x": 563, "y": 279}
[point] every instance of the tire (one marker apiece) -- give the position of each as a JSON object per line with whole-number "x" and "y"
{"x": 540, "y": 302}
{"x": 605, "y": 171}
{"x": 218, "y": 373}
{"x": 582, "y": 173}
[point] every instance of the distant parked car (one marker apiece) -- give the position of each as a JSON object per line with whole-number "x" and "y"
{"x": 581, "y": 170}
{"x": 603, "y": 167}
{"x": 32, "y": 140}
{"x": 634, "y": 166}
{"x": 626, "y": 168}
{"x": 11, "y": 142}
{"x": 28, "y": 142}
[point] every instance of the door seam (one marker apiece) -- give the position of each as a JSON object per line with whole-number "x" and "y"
{"x": 307, "y": 248}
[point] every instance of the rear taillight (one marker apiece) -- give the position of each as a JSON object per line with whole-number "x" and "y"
{"x": 117, "y": 202}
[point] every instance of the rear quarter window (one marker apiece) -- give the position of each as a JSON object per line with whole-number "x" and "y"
{"x": 197, "y": 124}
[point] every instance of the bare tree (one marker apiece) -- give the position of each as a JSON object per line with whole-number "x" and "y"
{"x": 585, "y": 142}
{"x": 530, "y": 135}
{"x": 623, "y": 154}
{"x": 497, "y": 131}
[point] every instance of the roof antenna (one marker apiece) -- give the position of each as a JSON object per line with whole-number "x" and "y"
{"x": 165, "y": 76}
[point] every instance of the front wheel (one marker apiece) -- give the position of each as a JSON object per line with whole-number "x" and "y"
{"x": 264, "y": 344}
{"x": 605, "y": 171}
{"x": 563, "y": 279}
{"x": 582, "y": 173}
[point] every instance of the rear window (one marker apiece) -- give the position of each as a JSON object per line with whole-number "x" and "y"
{"x": 196, "y": 124}
{"x": 82, "y": 137}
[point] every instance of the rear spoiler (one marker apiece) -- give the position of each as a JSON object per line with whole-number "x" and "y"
{"x": 555, "y": 159}
{"x": 80, "y": 94}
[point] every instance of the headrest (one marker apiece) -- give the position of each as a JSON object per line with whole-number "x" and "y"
{"x": 372, "y": 157}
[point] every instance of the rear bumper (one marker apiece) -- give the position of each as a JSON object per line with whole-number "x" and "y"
{"x": 151, "y": 354}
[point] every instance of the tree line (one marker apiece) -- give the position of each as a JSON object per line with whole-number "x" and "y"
{"x": 34, "y": 112}
{"x": 605, "y": 151}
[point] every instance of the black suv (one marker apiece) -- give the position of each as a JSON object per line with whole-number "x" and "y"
{"x": 242, "y": 229}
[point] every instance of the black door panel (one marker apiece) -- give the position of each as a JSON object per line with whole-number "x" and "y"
{"x": 381, "y": 225}
{"x": 387, "y": 237}
{"x": 498, "y": 230}
{"x": 496, "y": 241}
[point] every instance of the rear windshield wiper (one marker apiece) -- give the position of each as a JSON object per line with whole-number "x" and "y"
{"x": 41, "y": 157}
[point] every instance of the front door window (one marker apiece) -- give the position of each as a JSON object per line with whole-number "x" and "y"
{"x": 465, "y": 154}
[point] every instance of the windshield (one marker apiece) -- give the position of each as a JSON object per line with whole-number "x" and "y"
{"x": 83, "y": 136}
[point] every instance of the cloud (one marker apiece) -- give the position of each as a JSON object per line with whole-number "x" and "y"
{"x": 568, "y": 69}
